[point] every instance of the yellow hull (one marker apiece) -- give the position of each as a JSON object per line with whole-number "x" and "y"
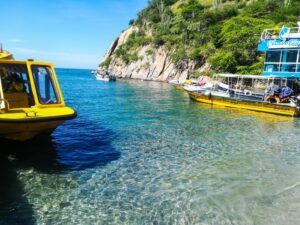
{"x": 179, "y": 87}
{"x": 242, "y": 104}
{"x": 22, "y": 124}
{"x": 26, "y": 131}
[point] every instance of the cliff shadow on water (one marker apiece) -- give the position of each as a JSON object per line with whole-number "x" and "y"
{"x": 61, "y": 153}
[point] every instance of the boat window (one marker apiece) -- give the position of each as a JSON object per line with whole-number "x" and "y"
{"x": 294, "y": 83}
{"x": 46, "y": 90}
{"x": 16, "y": 85}
{"x": 290, "y": 56}
{"x": 273, "y": 56}
{"x": 247, "y": 83}
{"x": 260, "y": 85}
{"x": 280, "y": 82}
{"x": 222, "y": 84}
{"x": 288, "y": 68}
{"x": 272, "y": 68}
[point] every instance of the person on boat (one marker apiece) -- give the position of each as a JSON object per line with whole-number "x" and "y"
{"x": 285, "y": 94}
{"x": 202, "y": 82}
{"x": 15, "y": 84}
{"x": 278, "y": 95}
{"x": 272, "y": 94}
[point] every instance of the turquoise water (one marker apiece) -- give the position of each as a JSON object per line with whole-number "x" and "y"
{"x": 143, "y": 153}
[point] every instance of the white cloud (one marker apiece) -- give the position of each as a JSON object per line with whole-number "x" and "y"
{"x": 24, "y": 50}
{"x": 15, "y": 40}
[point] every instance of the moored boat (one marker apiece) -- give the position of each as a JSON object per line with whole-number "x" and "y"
{"x": 198, "y": 88}
{"x": 177, "y": 84}
{"x": 253, "y": 97}
{"x": 106, "y": 78}
{"x": 190, "y": 85}
{"x": 31, "y": 101}
{"x": 276, "y": 91}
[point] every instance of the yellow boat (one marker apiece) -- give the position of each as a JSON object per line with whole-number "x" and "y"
{"x": 180, "y": 85}
{"x": 31, "y": 101}
{"x": 252, "y": 92}
{"x": 266, "y": 107}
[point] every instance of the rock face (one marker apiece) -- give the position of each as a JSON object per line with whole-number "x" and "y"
{"x": 152, "y": 64}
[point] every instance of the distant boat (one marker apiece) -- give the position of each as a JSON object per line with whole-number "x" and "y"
{"x": 179, "y": 85}
{"x": 198, "y": 88}
{"x": 106, "y": 78}
{"x": 189, "y": 85}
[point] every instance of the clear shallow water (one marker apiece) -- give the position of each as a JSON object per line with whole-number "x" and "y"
{"x": 143, "y": 153}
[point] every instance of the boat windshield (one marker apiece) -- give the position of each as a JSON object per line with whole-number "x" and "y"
{"x": 46, "y": 89}
{"x": 15, "y": 85}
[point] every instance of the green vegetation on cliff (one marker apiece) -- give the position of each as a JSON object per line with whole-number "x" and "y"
{"x": 224, "y": 33}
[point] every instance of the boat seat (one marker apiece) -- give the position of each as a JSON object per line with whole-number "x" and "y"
{"x": 17, "y": 100}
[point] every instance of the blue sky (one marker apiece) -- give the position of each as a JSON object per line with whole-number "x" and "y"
{"x": 69, "y": 33}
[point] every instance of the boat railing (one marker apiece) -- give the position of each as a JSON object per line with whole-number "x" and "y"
{"x": 246, "y": 86}
{"x": 292, "y": 32}
{"x": 229, "y": 75}
{"x": 270, "y": 34}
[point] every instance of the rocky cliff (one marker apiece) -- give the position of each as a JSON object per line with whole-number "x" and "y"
{"x": 154, "y": 63}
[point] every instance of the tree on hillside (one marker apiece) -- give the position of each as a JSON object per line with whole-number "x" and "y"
{"x": 287, "y": 2}
{"x": 239, "y": 37}
{"x": 217, "y": 3}
{"x": 160, "y": 6}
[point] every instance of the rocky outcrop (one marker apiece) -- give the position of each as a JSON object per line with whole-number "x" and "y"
{"x": 118, "y": 42}
{"x": 152, "y": 64}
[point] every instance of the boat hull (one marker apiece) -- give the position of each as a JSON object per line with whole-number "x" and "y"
{"x": 179, "y": 87}
{"x": 26, "y": 129}
{"x": 266, "y": 107}
{"x": 103, "y": 79}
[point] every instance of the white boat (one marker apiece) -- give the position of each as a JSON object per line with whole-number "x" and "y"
{"x": 106, "y": 78}
{"x": 198, "y": 88}
{"x": 174, "y": 82}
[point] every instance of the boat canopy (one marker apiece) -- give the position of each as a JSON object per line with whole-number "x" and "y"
{"x": 249, "y": 76}
{"x": 255, "y": 88}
